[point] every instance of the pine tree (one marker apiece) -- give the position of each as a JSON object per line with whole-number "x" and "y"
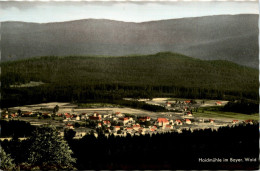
{"x": 6, "y": 160}
{"x": 49, "y": 150}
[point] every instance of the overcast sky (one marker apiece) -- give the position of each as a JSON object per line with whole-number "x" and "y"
{"x": 42, "y": 12}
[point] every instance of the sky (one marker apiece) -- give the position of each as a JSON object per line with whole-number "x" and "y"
{"x": 44, "y": 12}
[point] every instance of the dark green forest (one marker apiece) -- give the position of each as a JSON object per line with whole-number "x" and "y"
{"x": 160, "y": 151}
{"x": 79, "y": 78}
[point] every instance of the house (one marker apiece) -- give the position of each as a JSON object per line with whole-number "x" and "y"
{"x": 187, "y": 121}
{"x": 168, "y": 104}
{"x": 124, "y": 120}
{"x": 107, "y": 123}
{"x": 99, "y": 125}
{"x": 187, "y": 101}
{"x": 249, "y": 122}
{"x": 95, "y": 117}
{"x": 218, "y": 103}
{"x": 168, "y": 127}
{"x": 152, "y": 129}
{"x": 188, "y": 113}
{"x": 5, "y": 116}
{"x": 162, "y": 121}
{"x": 144, "y": 118}
{"x": 211, "y": 121}
{"x": 13, "y": 115}
{"x": 70, "y": 126}
{"x": 235, "y": 121}
{"x": 116, "y": 128}
{"x": 119, "y": 114}
{"x": 67, "y": 116}
{"x": 129, "y": 129}
{"x": 178, "y": 122}
{"x": 27, "y": 114}
{"x": 136, "y": 127}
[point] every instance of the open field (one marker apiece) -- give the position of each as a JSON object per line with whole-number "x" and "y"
{"x": 226, "y": 115}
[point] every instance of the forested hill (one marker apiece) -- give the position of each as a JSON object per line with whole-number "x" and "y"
{"x": 153, "y": 75}
{"x": 220, "y": 37}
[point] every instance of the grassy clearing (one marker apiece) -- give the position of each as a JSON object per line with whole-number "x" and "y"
{"x": 206, "y": 112}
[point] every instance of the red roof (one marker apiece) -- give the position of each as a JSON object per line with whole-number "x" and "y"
{"x": 129, "y": 128}
{"x": 162, "y": 120}
{"x": 218, "y": 102}
{"x": 106, "y": 122}
{"x": 187, "y": 120}
{"x": 187, "y": 101}
{"x": 235, "y": 120}
{"x": 117, "y": 113}
{"x": 152, "y": 129}
{"x": 136, "y": 125}
{"x": 178, "y": 120}
{"x": 168, "y": 126}
{"x": 68, "y": 116}
{"x": 99, "y": 123}
{"x": 117, "y": 126}
{"x": 124, "y": 119}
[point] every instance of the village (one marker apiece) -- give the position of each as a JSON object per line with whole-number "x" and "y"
{"x": 118, "y": 121}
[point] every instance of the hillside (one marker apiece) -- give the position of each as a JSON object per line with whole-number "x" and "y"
{"x": 223, "y": 37}
{"x": 161, "y": 74}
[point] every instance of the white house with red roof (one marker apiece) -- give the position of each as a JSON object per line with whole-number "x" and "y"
{"x": 136, "y": 127}
{"x": 124, "y": 120}
{"x": 168, "y": 127}
{"x": 116, "y": 128}
{"x": 187, "y": 121}
{"x": 70, "y": 126}
{"x": 107, "y": 123}
{"x": 188, "y": 113}
{"x": 168, "y": 104}
{"x": 99, "y": 125}
{"x": 119, "y": 114}
{"x": 211, "y": 121}
{"x": 162, "y": 122}
{"x": 219, "y": 103}
{"x": 235, "y": 121}
{"x": 178, "y": 122}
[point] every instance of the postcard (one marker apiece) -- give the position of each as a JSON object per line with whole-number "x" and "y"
{"x": 129, "y": 85}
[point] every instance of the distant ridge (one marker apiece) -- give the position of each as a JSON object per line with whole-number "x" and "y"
{"x": 224, "y": 37}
